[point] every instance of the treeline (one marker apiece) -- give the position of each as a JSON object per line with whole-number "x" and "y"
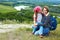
{"x": 7, "y": 3}
{"x": 21, "y": 16}
{"x": 24, "y": 15}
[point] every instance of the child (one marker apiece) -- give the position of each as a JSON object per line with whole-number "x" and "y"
{"x": 37, "y": 14}
{"x": 37, "y": 17}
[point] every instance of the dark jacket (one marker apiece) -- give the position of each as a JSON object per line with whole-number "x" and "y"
{"x": 45, "y": 21}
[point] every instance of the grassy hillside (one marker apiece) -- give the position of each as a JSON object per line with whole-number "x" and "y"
{"x": 6, "y": 9}
{"x": 8, "y": 12}
{"x": 25, "y": 34}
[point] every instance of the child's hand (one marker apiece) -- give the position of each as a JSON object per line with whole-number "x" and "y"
{"x": 35, "y": 24}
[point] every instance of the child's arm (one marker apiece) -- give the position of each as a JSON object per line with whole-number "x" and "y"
{"x": 35, "y": 19}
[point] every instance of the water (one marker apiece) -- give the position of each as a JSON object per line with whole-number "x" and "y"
{"x": 56, "y": 5}
{"x": 18, "y": 8}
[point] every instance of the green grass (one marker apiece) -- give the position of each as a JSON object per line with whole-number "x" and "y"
{"x": 10, "y": 22}
{"x": 15, "y": 22}
{"x": 25, "y": 34}
{"x": 6, "y": 9}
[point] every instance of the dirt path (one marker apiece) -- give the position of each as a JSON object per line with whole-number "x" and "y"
{"x": 10, "y": 27}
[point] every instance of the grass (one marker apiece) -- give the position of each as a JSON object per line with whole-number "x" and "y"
{"x": 6, "y": 9}
{"x": 25, "y": 34}
{"x": 10, "y": 22}
{"x": 7, "y": 21}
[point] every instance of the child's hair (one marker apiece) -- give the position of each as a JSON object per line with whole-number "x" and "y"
{"x": 37, "y": 9}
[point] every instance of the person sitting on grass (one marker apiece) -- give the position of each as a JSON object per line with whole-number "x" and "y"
{"x": 37, "y": 17}
{"x": 42, "y": 27}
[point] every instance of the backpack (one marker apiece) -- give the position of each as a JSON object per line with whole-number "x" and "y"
{"x": 53, "y": 23}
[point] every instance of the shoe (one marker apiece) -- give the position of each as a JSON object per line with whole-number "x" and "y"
{"x": 41, "y": 36}
{"x": 33, "y": 33}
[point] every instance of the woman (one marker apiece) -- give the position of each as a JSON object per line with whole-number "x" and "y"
{"x": 46, "y": 20}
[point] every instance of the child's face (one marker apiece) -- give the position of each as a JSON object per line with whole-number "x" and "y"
{"x": 40, "y": 11}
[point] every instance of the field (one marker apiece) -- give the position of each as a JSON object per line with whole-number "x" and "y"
{"x": 6, "y": 9}
{"x": 25, "y": 34}
{"x": 8, "y": 15}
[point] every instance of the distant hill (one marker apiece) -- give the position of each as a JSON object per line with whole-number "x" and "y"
{"x": 34, "y": 1}
{"x": 6, "y": 9}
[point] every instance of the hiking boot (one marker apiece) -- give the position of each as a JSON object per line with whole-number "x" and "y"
{"x": 41, "y": 36}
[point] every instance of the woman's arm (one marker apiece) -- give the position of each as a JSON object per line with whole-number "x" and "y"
{"x": 46, "y": 21}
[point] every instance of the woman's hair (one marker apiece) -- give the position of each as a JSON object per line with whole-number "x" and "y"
{"x": 46, "y": 7}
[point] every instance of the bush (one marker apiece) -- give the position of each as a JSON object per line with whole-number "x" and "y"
{"x": 58, "y": 20}
{"x": 25, "y": 15}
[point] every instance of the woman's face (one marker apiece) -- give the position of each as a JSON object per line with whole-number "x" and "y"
{"x": 44, "y": 11}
